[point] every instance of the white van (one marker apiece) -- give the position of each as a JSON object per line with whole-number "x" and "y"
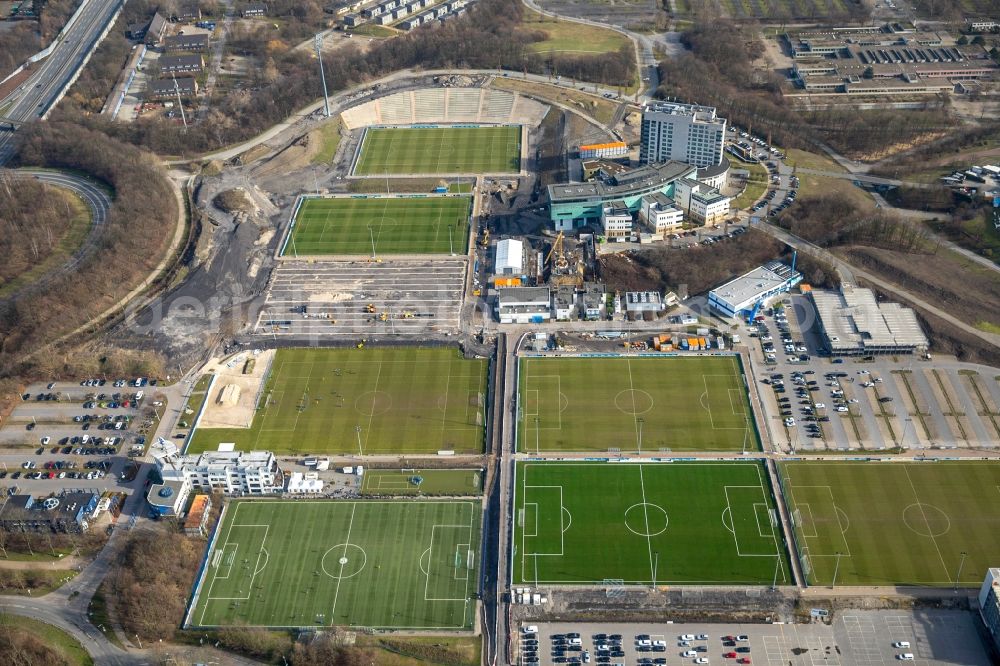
{"x": 901, "y": 644}
{"x": 530, "y": 629}
{"x": 906, "y": 656}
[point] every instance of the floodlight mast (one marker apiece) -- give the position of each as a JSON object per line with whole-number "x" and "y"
{"x": 318, "y": 44}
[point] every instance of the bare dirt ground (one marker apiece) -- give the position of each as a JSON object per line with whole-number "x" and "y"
{"x": 240, "y": 415}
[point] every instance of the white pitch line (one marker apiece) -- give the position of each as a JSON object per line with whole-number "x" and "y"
{"x": 340, "y": 576}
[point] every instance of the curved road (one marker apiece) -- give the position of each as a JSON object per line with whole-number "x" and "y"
{"x": 96, "y": 199}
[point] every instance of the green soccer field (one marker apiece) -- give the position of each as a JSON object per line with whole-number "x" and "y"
{"x": 384, "y": 225}
{"x": 600, "y": 404}
{"x": 439, "y": 150}
{"x": 894, "y": 523}
{"x": 643, "y": 524}
{"x": 456, "y": 482}
{"x": 392, "y": 400}
{"x": 383, "y": 564}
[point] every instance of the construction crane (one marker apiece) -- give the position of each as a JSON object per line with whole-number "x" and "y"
{"x": 484, "y": 239}
{"x": 370, "y": 308}
{"x": 559, "y": 253}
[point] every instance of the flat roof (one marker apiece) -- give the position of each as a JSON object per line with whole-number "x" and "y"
{"x": 854, "y": 319}
{"x": 509, "y": 295}
{"x": 624, "y": 184}
{"x": 749, "y": 286}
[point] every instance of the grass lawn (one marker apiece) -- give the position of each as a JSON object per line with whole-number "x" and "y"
{"x": 431, "y": 150}
{"x": 456, "y": 482}
{"x": 33, "y": 582}
{"x": 408, "y": 225}
{"x": 404, "y": 400}
{"x": 646, "y": 524}
{"x": 756, "y": 184}
{"x": 804, "y": 160}
{"x": 424, "y": 650}
{"x": 569, "y": 37}
{"x": 895, "y": 523}
{"x": 72, "y": 239}
{"x": 329, "y": 134}
{"x": 810, "y": 185}
{"x": 51, "y": 637}
{"x": 385, "y": 564}
{"x": 597, "y": 404}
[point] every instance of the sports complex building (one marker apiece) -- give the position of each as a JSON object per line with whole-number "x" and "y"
{"x": 577, "y": 203}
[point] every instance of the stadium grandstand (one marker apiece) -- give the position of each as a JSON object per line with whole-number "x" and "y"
{"x": 446, "y": 105}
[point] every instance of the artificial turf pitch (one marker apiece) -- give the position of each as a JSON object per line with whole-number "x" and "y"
{"x": 440, "y": 150}
{"x": 646, "y": 524}
{"x": 403, "y": 225}
{"x": 894, "y": 523}
{"x": 394, "y": 400}
{"x": 601, "y": 404}
{"x": 384, "y": 564}
{"x": 454, "y": 482}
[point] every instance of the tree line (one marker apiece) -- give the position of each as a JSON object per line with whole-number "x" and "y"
{"x": 137, "y": 231}
{"x": 489, "y": 35}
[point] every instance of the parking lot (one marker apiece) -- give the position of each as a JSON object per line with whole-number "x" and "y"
{"x": 855, "y": 638}
{"x": 64, "y": 431}
{"x": 360, "y": 298}
{"x": 817, "y": 403}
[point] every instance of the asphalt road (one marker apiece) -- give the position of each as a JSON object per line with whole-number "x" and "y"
{"x": 50, "y": 79}
{"x": 97, "y": 201}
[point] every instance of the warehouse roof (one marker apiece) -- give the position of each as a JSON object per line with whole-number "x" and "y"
{"x": 854, "y": 319}
{"x": 749, "y": 286}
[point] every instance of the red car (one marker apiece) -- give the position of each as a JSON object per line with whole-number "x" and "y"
{"x": 743, "y": 660}
{"x": 729, "y": 638}
{"x": 52, "y": 475}
{"x": 730, "y": 655}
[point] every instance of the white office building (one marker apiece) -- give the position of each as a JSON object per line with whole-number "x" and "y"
{"x": 660, "y": 214}
{"x": 759, "y": 285}
{"x": 616, "y": 220}
{"x": 701, "y": 203}
{"x": 230, "y": 472}
{"x": 681, "y": 132}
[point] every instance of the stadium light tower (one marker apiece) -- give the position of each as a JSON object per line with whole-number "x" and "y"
{"x": 318, "y": 44}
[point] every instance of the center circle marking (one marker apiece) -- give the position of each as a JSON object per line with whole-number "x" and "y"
{"x": 926, "y": 520}
{"x": 373, "y": 403}
{"x": 646, "y": 520}
{"x": 634, "y": 401}
{"x": 345, "y": 560}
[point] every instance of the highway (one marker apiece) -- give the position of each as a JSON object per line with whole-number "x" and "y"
{"x": 53, "y": 75}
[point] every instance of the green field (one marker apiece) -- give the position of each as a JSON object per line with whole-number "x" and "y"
{"x": 395, "y": 400}
{"x": 601, "y": 404}
{"x": 456, "y": 482}
{"x": 385, "y": 225}
{"x": 445, "y": 150}
{"x": 389, "y": 564}
{"x": 646, "y": 524}
{"x": 895, "y": 523}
